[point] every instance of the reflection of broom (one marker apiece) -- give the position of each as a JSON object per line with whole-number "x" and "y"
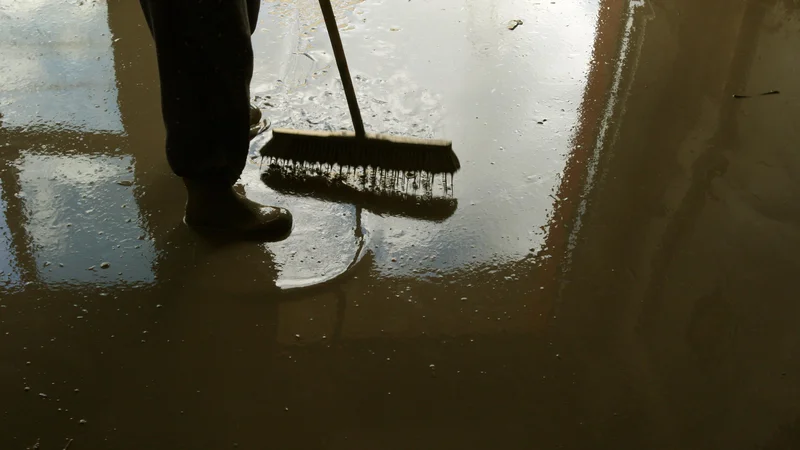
{"x": 358, "y": 149}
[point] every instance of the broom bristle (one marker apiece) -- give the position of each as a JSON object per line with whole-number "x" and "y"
{"x": 380, "y": 199}
{"x": 376, "y": 151}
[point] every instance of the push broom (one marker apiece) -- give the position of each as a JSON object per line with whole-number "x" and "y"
{"x": 358, "y": 149}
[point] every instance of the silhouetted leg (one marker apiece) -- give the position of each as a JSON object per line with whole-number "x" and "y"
{"x": 205, "y": 63}
{"x": 253, "y": 7}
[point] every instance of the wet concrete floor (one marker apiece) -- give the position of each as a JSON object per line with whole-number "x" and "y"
{"x": 616, "y": 268}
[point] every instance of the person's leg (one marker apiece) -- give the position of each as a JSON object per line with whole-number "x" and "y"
{"x": 256, "y": 124}
{"x": 253, "y": 8}
{"x": 205, "y": 61}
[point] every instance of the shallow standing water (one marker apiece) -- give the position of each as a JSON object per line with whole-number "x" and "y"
{"x": 618, "y": 271}
{"x": 508, "y": 100}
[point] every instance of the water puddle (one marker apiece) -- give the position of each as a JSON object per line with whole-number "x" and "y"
{"x": 81, "y": 213}
{"x": 508, "y": 99}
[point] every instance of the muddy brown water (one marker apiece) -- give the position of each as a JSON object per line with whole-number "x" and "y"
{"x": 616, "y": 270}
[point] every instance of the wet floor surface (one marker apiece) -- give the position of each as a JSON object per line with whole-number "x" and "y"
{"x": 614, "y": 267}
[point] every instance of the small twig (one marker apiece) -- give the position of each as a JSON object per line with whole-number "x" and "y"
{"x": 69, "y": 442}
{"x": 758, "y": 95}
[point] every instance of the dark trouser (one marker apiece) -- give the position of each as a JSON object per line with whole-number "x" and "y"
{"x": 205, "y": 63}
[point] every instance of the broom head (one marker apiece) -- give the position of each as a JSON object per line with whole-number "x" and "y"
{"x": 377, "y": 151}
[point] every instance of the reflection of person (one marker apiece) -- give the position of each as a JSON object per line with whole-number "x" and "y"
{"x": 205, "y": 63}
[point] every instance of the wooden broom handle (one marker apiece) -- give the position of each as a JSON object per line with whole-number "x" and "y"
{"x": 341, "y": 62}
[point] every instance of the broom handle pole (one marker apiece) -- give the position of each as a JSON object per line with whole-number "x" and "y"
{"x": 341, "y": 62}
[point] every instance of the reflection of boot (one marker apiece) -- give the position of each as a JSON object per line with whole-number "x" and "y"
{"x": 258, "y": 123}
{"x": 216, "y": 208}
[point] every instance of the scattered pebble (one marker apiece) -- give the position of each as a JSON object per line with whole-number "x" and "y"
{"x": 82, "y": 421}
{"x": 513, "y": 24}
{"x": 105, "y": 265}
